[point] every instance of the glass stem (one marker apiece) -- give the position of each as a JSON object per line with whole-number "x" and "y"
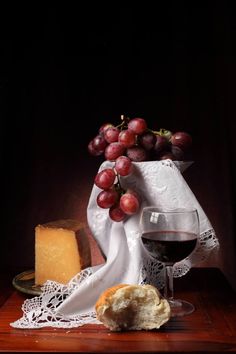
{"x": 169, "y": 288}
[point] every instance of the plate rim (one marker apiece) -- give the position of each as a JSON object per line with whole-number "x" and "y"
{"x": 28, "y": 290}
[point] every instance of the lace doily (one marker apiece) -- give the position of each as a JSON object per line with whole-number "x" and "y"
{"x": 159, "y": 183}
{"x": 41, "y": 311}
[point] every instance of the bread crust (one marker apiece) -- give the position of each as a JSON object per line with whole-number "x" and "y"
{"x": 106, "y": 296}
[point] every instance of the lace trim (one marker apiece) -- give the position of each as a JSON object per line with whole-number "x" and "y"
{"x": 41, "y": 311}
{"x": 152, "y": 272}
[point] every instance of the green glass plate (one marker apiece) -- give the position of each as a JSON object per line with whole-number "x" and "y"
{"x": 25, "y": 282}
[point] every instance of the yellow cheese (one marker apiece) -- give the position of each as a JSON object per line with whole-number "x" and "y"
{"x": 61, "y": 250}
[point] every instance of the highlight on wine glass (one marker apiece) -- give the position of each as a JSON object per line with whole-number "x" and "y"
{"x": 170, "y": 236}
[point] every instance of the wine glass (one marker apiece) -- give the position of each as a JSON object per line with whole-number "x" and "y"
{"x": 170, "y": 236}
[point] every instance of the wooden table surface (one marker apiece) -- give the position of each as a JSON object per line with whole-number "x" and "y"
{"x": 211, "y": 328}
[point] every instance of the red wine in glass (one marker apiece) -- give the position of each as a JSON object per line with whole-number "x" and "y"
{"x": 169, "y": 247}
{"x": 170, "y": 236}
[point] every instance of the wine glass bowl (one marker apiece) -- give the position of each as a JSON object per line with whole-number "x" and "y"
{"x": 170, "y": 236}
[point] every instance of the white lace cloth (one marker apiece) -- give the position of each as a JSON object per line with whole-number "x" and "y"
{"x": 158, "y": 183}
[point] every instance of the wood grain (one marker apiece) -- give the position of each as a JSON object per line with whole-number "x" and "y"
{"x": 211, "y": 328}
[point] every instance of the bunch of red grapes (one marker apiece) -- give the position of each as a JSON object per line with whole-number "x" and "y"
{"x": 131, "y": 141}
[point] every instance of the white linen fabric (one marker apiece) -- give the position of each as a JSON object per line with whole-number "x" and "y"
{"x": 158, "y": 183}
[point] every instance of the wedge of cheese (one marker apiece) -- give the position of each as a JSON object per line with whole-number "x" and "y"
{"x": 62, "y": 249}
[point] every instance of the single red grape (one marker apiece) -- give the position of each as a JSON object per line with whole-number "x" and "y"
{"x": 93, "y": 151}
{"x": 99, "y": 143}
{"x": 137, "y": 153}
{"x": 129, "y": 203}
{"x": 147, "y": 140}
{"x": 161, "y": 144}
{"x": 104, "y": 127}
{"x": 182, "y": 140}
{"x": 106, "y": 199}
{"x": 114, "y": 150}
{"x": 127, "y": 138}
{"x": 105, "y": 178}
{"x": 116, "y": 213}
{"x": 123, "y": 165}
{"x": 111, "y": 134}
{"x": 137, "y": 125}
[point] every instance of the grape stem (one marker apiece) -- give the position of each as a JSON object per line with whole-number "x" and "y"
{"x": 124, "y": 122}
{"x": 161, "y": 132}
{"x": 118, "y": 187}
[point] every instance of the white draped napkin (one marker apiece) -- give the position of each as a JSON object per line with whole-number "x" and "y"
{"x": 158, "y": 183}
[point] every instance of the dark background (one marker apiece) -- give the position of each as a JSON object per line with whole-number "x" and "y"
{"x": 66, "y": 70}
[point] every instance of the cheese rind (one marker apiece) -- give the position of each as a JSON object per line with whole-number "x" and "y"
{"x": 61, "y": 250}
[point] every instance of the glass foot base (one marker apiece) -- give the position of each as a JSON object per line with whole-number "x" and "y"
{"x": 180, "y": 308}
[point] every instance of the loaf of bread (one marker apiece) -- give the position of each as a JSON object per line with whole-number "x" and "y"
{"x": 62, "y": 249}
{"x": 132, "y": 307}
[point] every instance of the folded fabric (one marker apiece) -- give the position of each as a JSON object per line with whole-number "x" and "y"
{"x": 158, "y": 183}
